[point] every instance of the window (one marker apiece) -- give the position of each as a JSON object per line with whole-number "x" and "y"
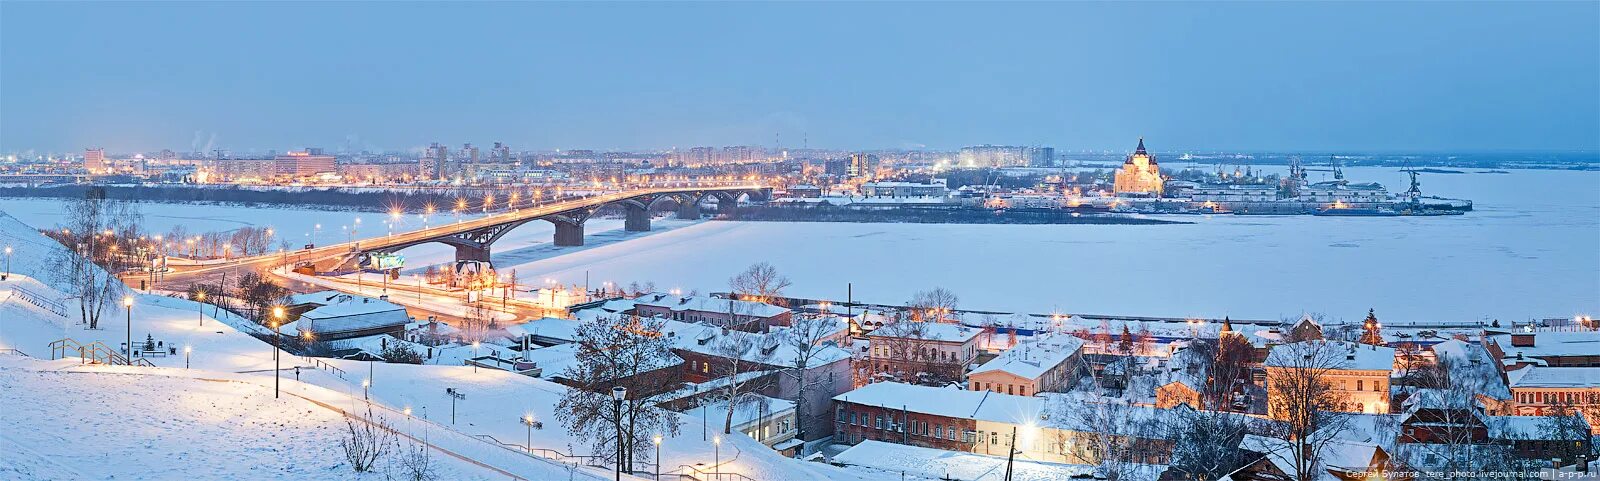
{"x": 877, "y": 421}
{"x": 994, "y": 438}
{"x": 938, "y": 431}
{"x": 840, "y": 412}
{"x": 1360, "y": 408}
{"x": 1358, "y": 384}
{"x": 950, "y": 433}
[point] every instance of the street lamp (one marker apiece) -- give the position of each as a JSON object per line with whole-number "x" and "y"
{"x": 474, "y": 356}
{"x": 365, "y": 384}
{"x": 716, "y": 464}
{"x": 657, "y": 440}
{"x": 186, "y": 351}
{"x": 527, "y": 420}
{"x": 618, "y": 394}
{"x": 127, "y": 305}
{"x": 277, "y": 367}
{"x": 8, "y": 263}
{"x": 201, "y": 296}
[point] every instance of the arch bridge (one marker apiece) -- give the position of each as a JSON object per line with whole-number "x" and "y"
{"x": 472, "y": 239}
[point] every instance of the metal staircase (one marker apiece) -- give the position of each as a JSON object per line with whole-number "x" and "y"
{"x": 96, "y": 352}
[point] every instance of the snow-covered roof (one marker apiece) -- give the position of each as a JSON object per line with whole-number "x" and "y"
{"x": 550, "y": 327}
{"x": 1583, "y": 343}
{"x": 708, "y": 304}
{"x": 1474, "y": 367}
{"x": 933, "y": 331}
{"x": 1339, "y": 455}
{"x": 929, "y": 463}
{"x": 1556, "y": 377}
{"x": 1342, "y": 354}
{"x": 775, "y": 348}
{"x": 749, "y": 411}
{"x": 938, "y": 401}
{"x": 345, "y": 313}
{"x": 1032, "y": 358}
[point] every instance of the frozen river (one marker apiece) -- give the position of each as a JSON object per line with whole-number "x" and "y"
{"x": 1530, "y": 249}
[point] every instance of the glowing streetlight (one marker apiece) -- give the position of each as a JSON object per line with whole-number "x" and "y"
{"x": 716, "y": 465}
{"x": 201, "y": 296}
{"x": 366, "y": 384}
{"x": 127, "y": 305}
{"x": 186, "y": 351}
{"x": 527, "y": 420}
{"x": 8, "y": 263}
{"x": 618, "y": 394}
{"x": 277, "y": 367}
{"x": 657, "y": 441}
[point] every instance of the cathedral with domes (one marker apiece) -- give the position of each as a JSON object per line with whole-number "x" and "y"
{"x": 1139, "y": 175}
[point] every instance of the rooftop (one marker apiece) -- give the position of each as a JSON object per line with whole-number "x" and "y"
{"x": 1032, "y": 358}
{"x": 1556, "y": 377}
{"x": 1340, "y": 354}
{"x": 708, "y": 304}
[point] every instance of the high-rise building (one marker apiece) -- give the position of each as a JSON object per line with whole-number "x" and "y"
{"x": 305, "y": 164}
{"x": 992, "y": 156}
{"x": 862, "y": 165}
{"x": 501, "y": 154}
{"x": 736, "y": 154}
{"x": 1041, "y": 156}
{"x": 1139, "y": 175}
{"x": 434, "y": 162}
{"x": 94, "y": 160}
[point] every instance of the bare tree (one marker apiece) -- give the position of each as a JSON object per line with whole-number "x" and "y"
{"x": 626, "y": 352}
{"x": 1230, "y": 365}
{"x": 936, "y": 305}
{"x": 1564, "y": 423}
{"x": 87, "y": 264}
{"x": 761, "y": 282}
{"x": 1206, "y": 443}
{"x": 366, "y": 441}
{"x": 1452, "y": 428}
{"x": 1104, "y": 434}
{"x": 738, "y": 353}
{"x": 414, "y": 463}
{"x": 806, "y": 336}
{"x": 1301, "y": 395}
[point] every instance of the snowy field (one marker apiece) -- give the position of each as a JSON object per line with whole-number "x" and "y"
{"x": 1530, "y": 249}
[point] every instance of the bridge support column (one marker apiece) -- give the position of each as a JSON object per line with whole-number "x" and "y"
{"x": 638, "y": 220}
{"x": 472, "y": 253}
{"x": 569, "y": 234}
{"x": 689, "y": 210}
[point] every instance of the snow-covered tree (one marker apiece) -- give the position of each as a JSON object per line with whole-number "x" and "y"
{"x": 1371, "y": 330}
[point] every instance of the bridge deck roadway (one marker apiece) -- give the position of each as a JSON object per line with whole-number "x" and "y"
{"x": 182, "y": 277}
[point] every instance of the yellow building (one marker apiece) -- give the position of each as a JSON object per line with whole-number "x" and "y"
{"x": 1139, "y": 175}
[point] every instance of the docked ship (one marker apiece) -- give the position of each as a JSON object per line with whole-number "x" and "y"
{"x": 1295, "y": 196}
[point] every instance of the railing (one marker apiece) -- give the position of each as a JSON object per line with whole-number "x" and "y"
{"x": 548, "y": 453}
{"x": 96, "y": 351}
{"x": 324, "y": 365}
{"x": 12, "y": 350}
{"x": 699, "y": 474}
{"x": 38, "y": 301}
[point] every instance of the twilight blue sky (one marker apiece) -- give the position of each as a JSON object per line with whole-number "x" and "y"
{"x": 1433, "y": 76}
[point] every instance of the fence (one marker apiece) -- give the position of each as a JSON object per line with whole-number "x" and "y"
{"x": 38, "y": 301}
{"x": 96, "y": 352}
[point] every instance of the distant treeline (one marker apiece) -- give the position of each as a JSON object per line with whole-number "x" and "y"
{"x": 932, "y": 215}
{"x": 377, "y": 201}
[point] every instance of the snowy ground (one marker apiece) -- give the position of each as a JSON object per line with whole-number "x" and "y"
{"x": 1531, "y": 249}
{"x": 59, "y": 424}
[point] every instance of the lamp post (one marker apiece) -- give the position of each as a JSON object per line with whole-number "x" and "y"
{"x": 527, "y": 420}
{"x": 127, "y": 305}
{"x": 201, "y": 296}
{"x": 716, "y": 464}
{"x": 186, "y": 351}
{"x": 617, "y": 395}
{"x": 365, "y": 385}
{"x": 657, "y": 440}
{"x": 277, "y": 376}
{"x": 8, "y": 262}
{"x": 474, "y": 356}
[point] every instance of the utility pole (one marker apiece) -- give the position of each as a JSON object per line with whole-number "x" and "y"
{"x": 1011, "y": 454}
